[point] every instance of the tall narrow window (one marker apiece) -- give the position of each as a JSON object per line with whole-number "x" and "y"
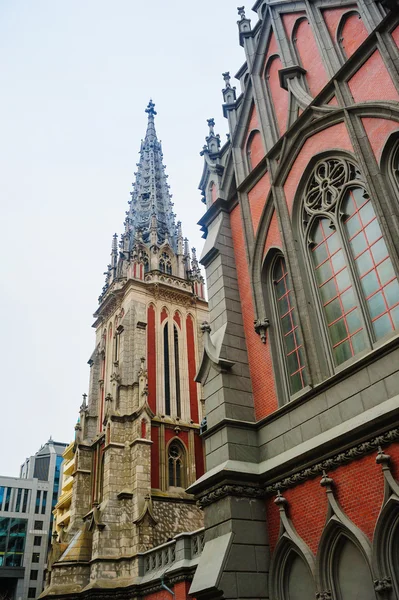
{"x": 7, "y": 500}
{"x": 166, "y": 362}
{"x": 37, "y": 505}
{"x": 44, "y": 502}
{"x": 176, "y": 465}
{"x": 177, "y": 370}
{"x": 357, "y": 285}
{"x": 18, "y": 502}
{"x": 290, "y": 333}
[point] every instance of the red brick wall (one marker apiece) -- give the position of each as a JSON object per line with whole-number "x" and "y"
{"x": 372, "y": 82}
{"x": 395, "y": 35}
{"x": 151, "y": 359}
{"x": 155, "y": 457}
{"x": 278, "y": 94}
{"x": 273, "y": 238}
{"x": 192, "y": 369}
{"x": 180, "y": 589}
{"x": 332, "y": 138}
{"x": 259, "y": 358}
{"x": 213, "y": 193}
{"x": 353, "y": 34}
{"x": 176, "y": 317}
{"x": 164, "y": 314}
{"x": 257, "y": 199}
{"x": 358, "y": 487}
{"x": 255, "y": 148}
{"x": 332, "y": 17}
{"x": 378, "y": 132}
{"x": 310, "y": 57}
{"x": 289, "y": 21}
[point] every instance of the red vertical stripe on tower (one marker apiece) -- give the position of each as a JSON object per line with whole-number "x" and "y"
{"x": 155, "y": 457}
{"x": 151, "y": 359}
{"x": 191, "y": 370}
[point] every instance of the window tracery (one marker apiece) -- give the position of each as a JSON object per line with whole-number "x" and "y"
{"x": 176, "y": 461}
{"x": 165, "y": 264}
{"x": 354, "y": 275}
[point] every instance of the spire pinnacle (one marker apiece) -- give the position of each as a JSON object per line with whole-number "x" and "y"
{"x": 151, "y": 109}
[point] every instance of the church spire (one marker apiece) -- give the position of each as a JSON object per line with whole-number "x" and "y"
{"x": 150, "y": 195}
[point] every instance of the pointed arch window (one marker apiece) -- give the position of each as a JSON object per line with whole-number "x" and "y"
{"x": 166, "y": 362}
{"x": 177, "y": 369}
{"x": 350, "y": 574}
{"x": 176, "y": 465}
{"x": 290, "y": 335}
{"x": 352, "y": 271}
{"x": 165, "y": 265}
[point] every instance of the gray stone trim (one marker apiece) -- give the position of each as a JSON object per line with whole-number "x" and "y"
{"x": 335, "y": 461}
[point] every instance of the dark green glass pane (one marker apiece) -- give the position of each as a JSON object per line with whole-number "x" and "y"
{"x": 283, "y": 305}
{"x": 392, "y": 293}
{"x": 286, "y": 324}
{"x": 364, "y": 263}
{"x": 333, "y": 310}
{"x": 296, "y": 383}
{"x": 343, "y": 280}
{"x": 3, "y": 542}
{"x": 353, "y": 225}
{"x": 358, "y": 243}
{"x": 379, "y": 251}
{"x": 280, "y": 289}
{"x": 376, "y": 305}
{"x": 382, "y": 326}
{"x": 16, "y": 544}
{"x": 385, "y": 271}
{"x": 18, "y": 527}
{"x": 292, "y": 363}
{"x": 324, "y": 272}
{"x": 14, "y": 560}
{"x": 370, "y": 283}
{"x": 353, "y": 321}
{"x": 373, "y": 231}
{"x": 289, "y": 341}
{"x": 328, "y": 291}
{"x": 338, "y": 261}
{"x": 342, "y": 353}
{"x": 395, "y": 316}
{"x": 348, "y": 299}
{"x": 4, "y": 523}
{"x": 338, "y": 331}
{"x": 358, "y": 342}
{"x": 278, "y": 270}
{"x": 366, "y": 213}
{"x": 333, "y": 243}
{"x": 320, "y": 254}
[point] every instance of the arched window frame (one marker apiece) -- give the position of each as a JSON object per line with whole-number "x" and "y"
{"x": 339, "y": 39}
{"x": 172, "y": 463}
{"x": 165, "y": 263}
{"x": 275, "y": 332}
{"x": 248, "y": 149}
{"x": 294, "y": 40}
{"x": 270, "y": 102}
{"x": 306, "y": 223}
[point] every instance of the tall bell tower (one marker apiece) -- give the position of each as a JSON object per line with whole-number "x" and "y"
{"x": 137, "y": 438}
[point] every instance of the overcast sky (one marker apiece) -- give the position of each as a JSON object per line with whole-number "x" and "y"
{"x": 76, "y": 77}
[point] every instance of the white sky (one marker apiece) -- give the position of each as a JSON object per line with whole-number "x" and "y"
{"x": 76, "y": 77}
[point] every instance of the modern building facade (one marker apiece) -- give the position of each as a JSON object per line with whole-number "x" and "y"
{"x": 62, "y": 510}
{"x": 301, "y": 369}
{"x": 137, "y": 445}
{"x": 25, "y": 522}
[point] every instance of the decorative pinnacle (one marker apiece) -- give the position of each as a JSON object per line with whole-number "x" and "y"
{"x": 211, "y": 125}
{"x": 241, "y": 12}
{"x": 226, "y": 77}
{"x": 151, "y": 109}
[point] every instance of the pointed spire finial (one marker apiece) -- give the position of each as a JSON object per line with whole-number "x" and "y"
{"x": 227, "y": 78}
{"x": 211, "y": 125}
{"x": 151, "y": 109}
{"x": 241, "y": 11}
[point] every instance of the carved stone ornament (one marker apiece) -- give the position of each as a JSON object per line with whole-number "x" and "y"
{"x": 244, "y": 491}
{"x": 324, "y": 595}
{"x": 382, "y": 585}
{"x": 324, "y": 188}
{"x": 261, "y": 326}
{"x": 335, "y": 461}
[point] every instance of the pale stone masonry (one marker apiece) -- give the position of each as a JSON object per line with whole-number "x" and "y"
{"x": 137, "y": 443}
